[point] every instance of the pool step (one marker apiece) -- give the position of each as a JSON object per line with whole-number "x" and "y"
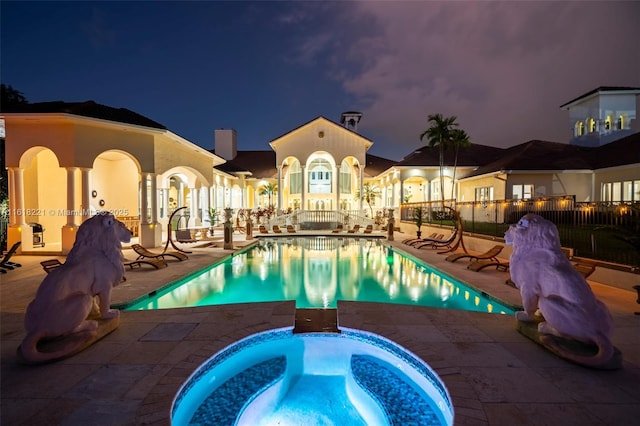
{"x": 224, "y": 404}
{"x": 402, "y": 404}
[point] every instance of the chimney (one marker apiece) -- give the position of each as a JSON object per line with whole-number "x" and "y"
{"x": 350, "y": 120}
{"x": 225, "y": 143}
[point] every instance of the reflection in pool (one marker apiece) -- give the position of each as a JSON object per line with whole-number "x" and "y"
{"x": 317, "y": 272}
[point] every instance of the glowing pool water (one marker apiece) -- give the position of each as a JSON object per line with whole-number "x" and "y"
{"x": 347, "y": 378}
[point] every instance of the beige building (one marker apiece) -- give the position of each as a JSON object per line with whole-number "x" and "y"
{"x": 67, "y": 161}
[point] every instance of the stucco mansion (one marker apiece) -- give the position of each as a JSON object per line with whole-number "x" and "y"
{"x": 68, "y": 160}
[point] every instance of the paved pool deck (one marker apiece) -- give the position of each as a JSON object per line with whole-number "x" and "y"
{"x": 495, "y": 375}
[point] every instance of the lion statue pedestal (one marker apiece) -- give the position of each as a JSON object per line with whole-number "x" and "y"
{"x": 560, "y": 311}
{"x": 62, "y": 320}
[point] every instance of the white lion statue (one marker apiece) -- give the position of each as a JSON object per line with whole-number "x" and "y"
{"x": 66, "y": 295}
{"x": 549, "y": 283}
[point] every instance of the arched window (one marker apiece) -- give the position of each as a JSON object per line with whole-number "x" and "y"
{"x": 295, "y": 178}
{"x": 579, "y": 129}
{"x": 591, "y": 125}
{"x": 320, "y": 177}
{"x": 345, "y": 178}
{"x": 607, "y": 123}
{"x": 620, "y": 122}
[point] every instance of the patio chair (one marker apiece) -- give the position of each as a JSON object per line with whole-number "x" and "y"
{"x": 50, "y": 265}
{"x": 433, "y": 237}
{"x": 184, "y": 236}
{"x": 436, "y": 244}
{"x": 368, "y": 229}
{"x": 277, "y": 229}
{"x": 6, "y": 263}
{"x": 263, "y": 229}
{"x": 338, "y": 229}
{"x": 144, "y": 254}
{"x": 409, "y": 241}
{"x": 584, "y": 269}
{"x": 488, "y": 255}
{"x": 156, "y": 263}
{"x": 479, "y": 265}
{"x": 355, "y": 229}
{"x": 291, "y": 229}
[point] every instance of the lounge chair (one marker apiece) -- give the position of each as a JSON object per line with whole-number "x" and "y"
{"x": 355, "y": 229}
{"x": 6, "y": 263}
{"x": 156, "y": 263}
{"x": 184, "y": 236}
{"x": 50, "y": 265}
{"x": 431, "y": 238}
{"x": 263, "y": 229}
{"x": 338, "y": 229}
{"x": 479, "y": 265}
{"x": 291, "y": 229}
{"x": 368, "y": 229}
{"x": 277, "y": 229}
{"x": 144, "y": 254}
{"x": 488, "y": 255}
{"x": 452, "y": 240}
{"x": 412, "y": 240}
{"x": 585, "y": 269}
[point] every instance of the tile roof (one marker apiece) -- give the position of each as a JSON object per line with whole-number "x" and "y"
{"x": 261, "y": 164}
{"x": 376, "y": 165}
{"x": 473, "y": 155}
{"x": 85, "y": 109}
{"x": 544, "y": 155}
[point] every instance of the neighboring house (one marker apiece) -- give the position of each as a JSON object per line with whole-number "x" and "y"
{"x": 603, "y": 115}
{"x": 83, "y": 157}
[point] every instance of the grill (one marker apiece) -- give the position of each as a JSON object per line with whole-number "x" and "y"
{"x": 38, "y": 234}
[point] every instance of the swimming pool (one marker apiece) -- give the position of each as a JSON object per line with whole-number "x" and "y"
{"x": 347, "y": 378}
{"x": 316, "y": 272}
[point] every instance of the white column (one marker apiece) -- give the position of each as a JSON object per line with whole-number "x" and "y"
{"x": 279, "y": 208}
{"x": 86, "y": 193}
{"x": 71, "y": 196}
{"x": 337, "y": 183}
{"x": 154, "y": 199}
{"x": 16, "y": 196}
{"x": 304, "y": 186}
{"x": 144, "y": 205}
{"x": 361, "y": 185}
{"x": 165, "y": 203}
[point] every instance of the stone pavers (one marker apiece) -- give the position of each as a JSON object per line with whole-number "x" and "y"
{"x": 495, "y": 376}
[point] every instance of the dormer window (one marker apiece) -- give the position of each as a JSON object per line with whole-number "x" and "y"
{"x": 620, "y": 123}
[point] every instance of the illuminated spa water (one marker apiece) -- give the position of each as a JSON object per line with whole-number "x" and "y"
{"x": 316, "y": 272}
{"x": 281, "y": 378}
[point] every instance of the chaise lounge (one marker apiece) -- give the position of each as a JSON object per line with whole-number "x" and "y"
{"x": 488, "y": 255}
{"x": 6, "y": 263}
{"x": 144, "y": 254}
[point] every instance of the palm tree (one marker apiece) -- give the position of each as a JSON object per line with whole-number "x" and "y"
{"x": 369, "y": 195}
{"x": 459, "y": 140}
{"x": 441, "y": 133}
{"x": 269, "y": 190}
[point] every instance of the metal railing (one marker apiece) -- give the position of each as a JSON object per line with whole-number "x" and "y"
{"x": 602, "y": 231}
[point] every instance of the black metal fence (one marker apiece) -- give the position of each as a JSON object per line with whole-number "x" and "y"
{"x": 601, "y": 231}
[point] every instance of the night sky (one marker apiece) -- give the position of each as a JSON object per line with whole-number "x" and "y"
{"x": 264, "y": 68}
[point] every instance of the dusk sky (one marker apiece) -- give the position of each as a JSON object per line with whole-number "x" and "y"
{"x": 264, "y": 68}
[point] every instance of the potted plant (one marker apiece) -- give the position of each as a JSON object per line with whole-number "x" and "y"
{"x": 213, "y": 219}
{"x": 418, "y": 218}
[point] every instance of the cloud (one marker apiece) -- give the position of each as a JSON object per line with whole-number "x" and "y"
{"x": 503, "y": 68}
